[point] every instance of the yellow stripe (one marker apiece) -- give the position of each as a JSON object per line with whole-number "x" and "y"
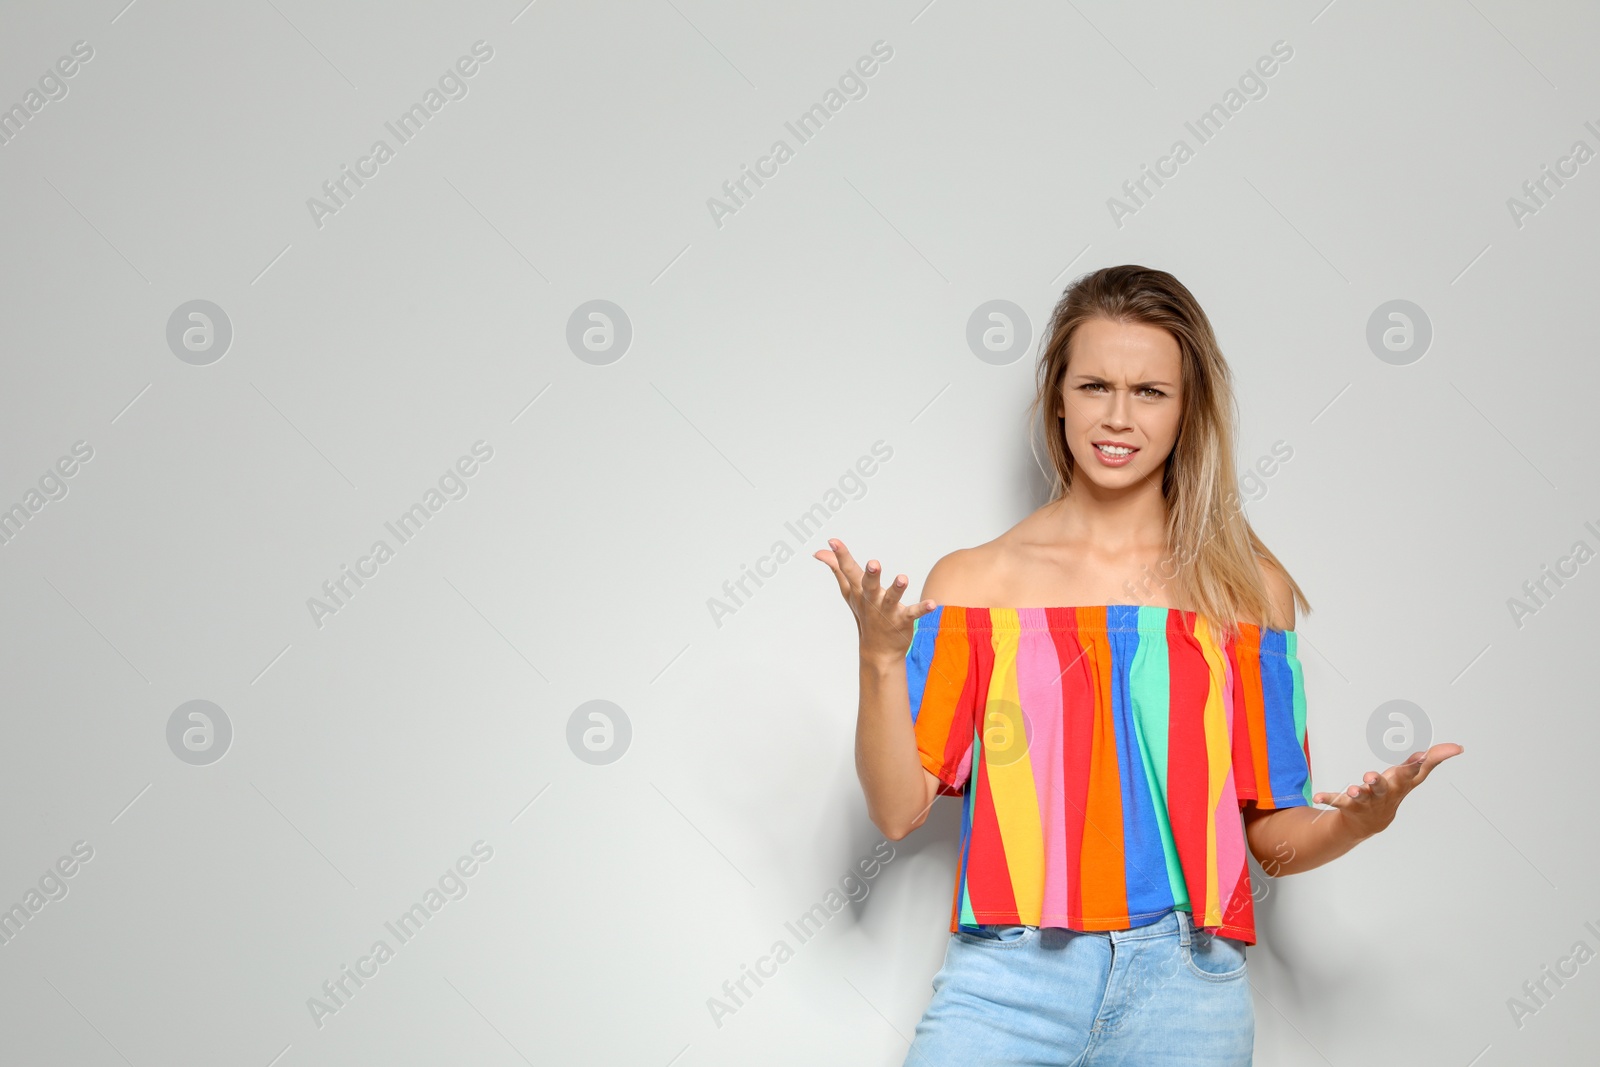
{"x": 1218, "y": 762}
{"x": 1005, "y": 754}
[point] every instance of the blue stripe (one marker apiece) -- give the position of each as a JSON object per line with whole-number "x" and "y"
{"x": 919, "y": 657}
{"x": 1286, "y": 759}
{"x": 1143, "y": 853}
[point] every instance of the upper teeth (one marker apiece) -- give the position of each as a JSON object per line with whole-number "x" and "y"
{"x": 1114, "y": 450}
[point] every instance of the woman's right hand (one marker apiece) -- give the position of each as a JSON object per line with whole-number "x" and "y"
{"x": 884, "y": 624}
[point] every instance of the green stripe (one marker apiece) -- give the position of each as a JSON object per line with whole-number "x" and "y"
{"x": 1149, "y": 696}
{"x": 1291, "y": 653}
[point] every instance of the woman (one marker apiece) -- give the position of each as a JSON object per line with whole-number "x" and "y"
{"x": 1115, "y": 759}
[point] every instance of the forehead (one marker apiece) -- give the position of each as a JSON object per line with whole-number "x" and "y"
{"x": 1110, "y": 349}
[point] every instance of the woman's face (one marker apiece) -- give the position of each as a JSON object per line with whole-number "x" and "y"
{"x": 1122, "y": 387}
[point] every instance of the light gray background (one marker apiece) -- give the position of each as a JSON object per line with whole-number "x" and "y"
{"x": 767, "y": 357}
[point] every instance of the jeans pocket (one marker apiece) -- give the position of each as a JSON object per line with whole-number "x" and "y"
{"x": 995, "y": 935}
{"x": 1215, "y": 958}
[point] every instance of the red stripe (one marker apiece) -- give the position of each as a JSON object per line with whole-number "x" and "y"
{"x": 1239, "y": 910}
{"x": 1187, "y": 766}
{"x": 988, "y": 876}
{"x": 1244, "y": 763}
{"x": 1240, "y": 914}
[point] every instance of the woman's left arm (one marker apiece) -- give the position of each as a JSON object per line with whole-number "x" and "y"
{"x": 1292, "y": 840}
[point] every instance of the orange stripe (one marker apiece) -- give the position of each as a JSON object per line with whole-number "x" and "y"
{"x": 947, "y": 676}
{"x": 1249, "y": 662}
{"x": 1105, "y": 890}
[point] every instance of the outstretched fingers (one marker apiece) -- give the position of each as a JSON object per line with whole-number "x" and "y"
{"x": 895, "y": 590}
{"x": 1397, "y": 781}
{"x": 1356, "y": 794}
{"x": 872, "y": 590}
{"x": 1353, "y": 794}
{"x": 857, "y": 582}
{"x": 847, "y": 563}
{"x": 871, "y": 581}
{"x": 867, "y": 582}
{"x": 831, "y": 558}
{"x": 1415, "y": 770}
{"x": 1436, "y": 755}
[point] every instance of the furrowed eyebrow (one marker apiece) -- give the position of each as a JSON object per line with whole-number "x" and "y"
{"x": 1102, "y": 381}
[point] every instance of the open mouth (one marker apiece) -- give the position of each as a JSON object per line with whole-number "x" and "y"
{"x": 1114, "y": 451}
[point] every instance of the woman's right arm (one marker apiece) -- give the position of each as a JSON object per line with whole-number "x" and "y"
{"x": 899, "y": 789}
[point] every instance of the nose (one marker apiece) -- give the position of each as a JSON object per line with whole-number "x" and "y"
{"x": 1117, "y": 414}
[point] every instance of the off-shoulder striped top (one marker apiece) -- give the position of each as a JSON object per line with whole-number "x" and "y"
{"x": 1103, "y": 756}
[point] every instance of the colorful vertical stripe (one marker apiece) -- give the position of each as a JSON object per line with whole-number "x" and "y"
{"x": 1103, "y": 755}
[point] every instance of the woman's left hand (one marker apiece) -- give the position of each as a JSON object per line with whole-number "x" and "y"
{"x": 1369, "y": 806}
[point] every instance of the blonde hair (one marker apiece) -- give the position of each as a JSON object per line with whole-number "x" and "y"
{"x": 1212, "y": 551}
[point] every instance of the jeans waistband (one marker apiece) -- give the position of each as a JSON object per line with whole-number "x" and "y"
{"x": 1176, "y": 922}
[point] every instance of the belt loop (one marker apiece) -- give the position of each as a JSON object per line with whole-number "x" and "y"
{"x": 1184, "y": 925}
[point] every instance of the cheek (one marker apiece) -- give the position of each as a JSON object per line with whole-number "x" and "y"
{"x": 1170, "y": 422}
{"x": 1076, "y": 428}
{"x": 1079, "y": 413}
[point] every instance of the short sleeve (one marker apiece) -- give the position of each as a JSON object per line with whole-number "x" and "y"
{"x": 942, "y": 682}
{"x": 1271, "y": 751}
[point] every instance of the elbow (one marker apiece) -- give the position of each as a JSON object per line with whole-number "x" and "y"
{"x": 1279, "y": 863}
{"x": 896, "y": 829}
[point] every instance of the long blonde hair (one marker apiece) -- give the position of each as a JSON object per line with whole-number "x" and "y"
{"x": 1211, "y": 549}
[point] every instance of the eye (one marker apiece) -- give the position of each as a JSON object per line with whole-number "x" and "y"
{"x": 1149, "y": 389}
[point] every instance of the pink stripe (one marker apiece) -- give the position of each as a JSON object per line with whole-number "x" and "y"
{"x": 1230, "y": 834}
{"x": 1039, "y": 691}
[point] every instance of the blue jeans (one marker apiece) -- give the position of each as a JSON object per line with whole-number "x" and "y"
{"x": 1160, "y": 995}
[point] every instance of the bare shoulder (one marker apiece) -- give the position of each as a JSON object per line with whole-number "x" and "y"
{"x": 1279, "y": 593}
{"x": 958, "y": 577}
{"x": 975, "y": 576}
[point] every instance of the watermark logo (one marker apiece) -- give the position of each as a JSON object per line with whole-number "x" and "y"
{"x": 199, "y": 332}
{"x": 599, "y": 732}
{"x": 1253, "y": 484}
{"x": 852, "y": 85}
{"x": 451, "y": 485}
{"x": 1537, "y": 991}
{"x": 52, "y": 486}
{"x": 736, "y": 992}
{"x": 1272, "y": 866}
{"x": 998, "y": 332}
{"x": 1399, "y": 332}
{"x": 1007, "y": 733}
{"x": 452, "y": 85}
{"x": 1538, "y": 191}
{"x": 850, "y": 486}
{"x": 451, "y": 885}
{"x": 1252, "y": 85}
{"x": 1396, "y": 729}
{"x": 52, "y": 86}
{"x": 199, "y": 732}
{"x": 1537, "y": 590}
{"x": 599, "y": 332}
{"x": 52, "y": 886}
